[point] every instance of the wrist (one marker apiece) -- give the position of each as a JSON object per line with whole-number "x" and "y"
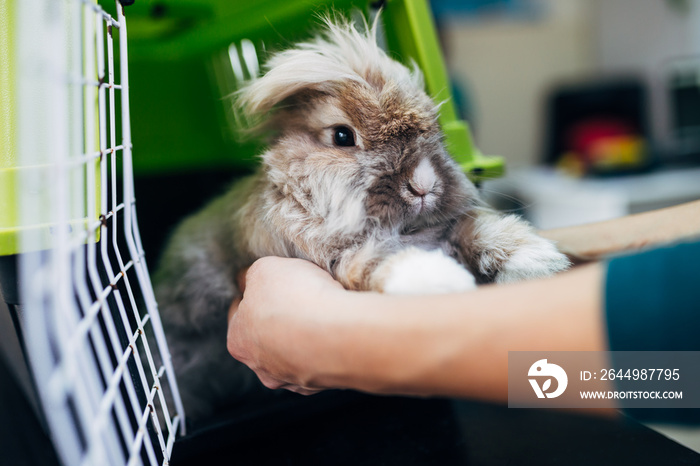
{"x": 356, "y": 334}
{"x": 385, "y": 344}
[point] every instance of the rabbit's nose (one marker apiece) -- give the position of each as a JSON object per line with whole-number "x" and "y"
{"x": 423, "y": 179}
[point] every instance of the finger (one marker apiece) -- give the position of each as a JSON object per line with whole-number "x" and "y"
{"x": 301, "y": 390}
{"x": 270, "y": 382}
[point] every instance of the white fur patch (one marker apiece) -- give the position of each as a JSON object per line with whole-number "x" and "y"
{"x": 415, "y": 271}
{"x": 424, "y": 178}
{"x": 511, "y": 247}
{"x": 346, "y": 214}
{"x": 539, "y": 258}
{"x": 341, "y": 206}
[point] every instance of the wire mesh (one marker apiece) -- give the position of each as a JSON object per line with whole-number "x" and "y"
{"x": 93, "y": 335}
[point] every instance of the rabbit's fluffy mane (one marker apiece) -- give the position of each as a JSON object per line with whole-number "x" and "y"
{"x": 339, "y": 54}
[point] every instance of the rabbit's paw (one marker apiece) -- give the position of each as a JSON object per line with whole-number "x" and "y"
{"x": 536, "y": 259}
{"x": 415, "y": 271}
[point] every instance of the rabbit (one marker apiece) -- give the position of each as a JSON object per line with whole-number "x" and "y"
{"x": 356, "y": 179}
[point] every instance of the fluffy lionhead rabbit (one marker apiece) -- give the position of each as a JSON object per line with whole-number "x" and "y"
{"x": 356, "y": 179}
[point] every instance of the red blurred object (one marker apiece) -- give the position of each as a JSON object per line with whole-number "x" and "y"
{"x": 582, "y": 137}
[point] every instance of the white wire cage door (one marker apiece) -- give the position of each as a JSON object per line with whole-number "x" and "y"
{"x": 93, "y": 336}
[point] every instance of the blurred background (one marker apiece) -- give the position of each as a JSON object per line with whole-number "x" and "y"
{"x": 595, "y": 104}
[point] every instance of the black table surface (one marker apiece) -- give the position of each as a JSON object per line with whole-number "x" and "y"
{"x": 348, "y": 428}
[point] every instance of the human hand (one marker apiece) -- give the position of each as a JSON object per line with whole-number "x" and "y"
{"x": 276, "y": 329}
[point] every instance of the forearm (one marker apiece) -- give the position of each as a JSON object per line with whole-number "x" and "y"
{"x": 597, "y": 240}
{"x": 457, "y": 345}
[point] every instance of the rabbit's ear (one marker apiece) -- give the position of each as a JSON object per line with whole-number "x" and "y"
{"x": 339, "y": 55}
{"x": 291, "y": 72}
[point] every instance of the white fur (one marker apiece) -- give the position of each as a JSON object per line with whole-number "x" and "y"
{"x": 511, "y": 247}
{"x": 537, "y": 259}
{"x": 346, "y": 213}
{"x": 415, "y": 271}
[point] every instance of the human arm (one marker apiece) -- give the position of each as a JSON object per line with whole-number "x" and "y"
{"x": 454, "y": 345}
{"x": 633, "y": 232}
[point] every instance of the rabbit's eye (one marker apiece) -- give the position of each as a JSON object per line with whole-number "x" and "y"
{"x": 342, "y": 136}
